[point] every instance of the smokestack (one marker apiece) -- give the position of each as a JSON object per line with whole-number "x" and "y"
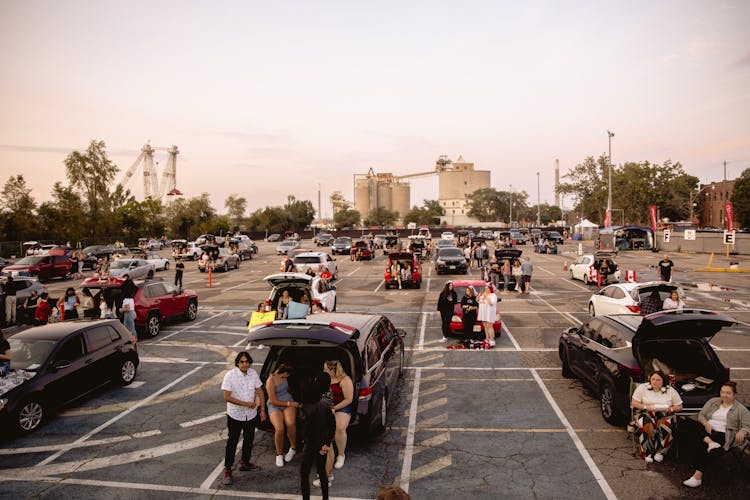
{"x": 557, "y": 182}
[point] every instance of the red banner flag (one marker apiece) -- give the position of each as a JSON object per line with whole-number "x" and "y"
{"x": 729, "y": 215}
{"x": 652, "y": 211}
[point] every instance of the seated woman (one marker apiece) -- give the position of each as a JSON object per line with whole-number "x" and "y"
{"x": 282, "y": 410}
{"x": 342, "y": 390}
{"x": 673, "y": 302}
{"x": 283, "y": 304}
{"x": 725, "y": 423}
{"x": 406, "y": 272}
{"x": 307, "y": 300}
{"x": 396, "y": 272}
{"x": 658, "y": 402}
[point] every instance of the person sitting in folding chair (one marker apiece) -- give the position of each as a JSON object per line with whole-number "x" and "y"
{"x": 658, "y": 402}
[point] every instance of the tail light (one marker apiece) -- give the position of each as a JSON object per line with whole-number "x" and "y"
{"x": 365, "y": 393}
{"x": 726, "y": 372}
{"x": 635, "y": 309}
{"x": 634, "y": 372}
{"x": 343, "y": 328}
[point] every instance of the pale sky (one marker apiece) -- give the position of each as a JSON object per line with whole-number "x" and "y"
{"x": 266, "y": 99}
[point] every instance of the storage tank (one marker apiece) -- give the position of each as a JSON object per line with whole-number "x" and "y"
{"x": 385, "y": 196}
{"x": 362, "y": 198}
{"x": 400, "y": 199}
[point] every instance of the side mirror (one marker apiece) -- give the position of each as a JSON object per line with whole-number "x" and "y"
{"x": 400, "y": 332}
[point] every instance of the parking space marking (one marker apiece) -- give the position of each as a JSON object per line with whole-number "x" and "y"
{"x": 511, "y": 337}
{"x": 117, "y": 417}
{"x": 238, "y": 286}
{"x": 600, "y": 479}
{"x": 134, "y": 385}
{"x": 158, "y": 359}
{"x": 431, "y": 468}
{"x": 203, "y": 420}
{"x": 357, "y": 269}
{"x": 194, "y": 325}
{"x": 411, "y": 430}
{"x": 382, "y": 282}
{"x": 427, "y": 289}
{"x": 567, "y": 315}
{"x": 93, "y": 442}
{"x": 432, "y": 404}
{"x": 571, "y": 282}
{"x": 545, "y": 270}
{"x": 421, "y": 332}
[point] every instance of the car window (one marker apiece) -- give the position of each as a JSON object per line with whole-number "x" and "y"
{"x": 71, "y": 350}
{"x": 157, "y": 290}
{"x": 611, "y": 337}
{"x": 617, "y": 293}
{"x": 170, "y": 289}
{"x": 383, "y": 335}
{"x": 372, "y": 350}
{"x": 96, "y": 338}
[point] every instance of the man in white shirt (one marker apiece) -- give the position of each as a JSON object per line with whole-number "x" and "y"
{"x": 243, "y": 392}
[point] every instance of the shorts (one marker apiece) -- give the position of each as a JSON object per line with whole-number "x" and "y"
{"x": 272, "y": 408}
{"x": 526, "y": 278}
{"x": 346, "y": 409}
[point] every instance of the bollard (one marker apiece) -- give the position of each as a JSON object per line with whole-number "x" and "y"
{"x": 210, "y": 278}
{"x": 565, "y": 265}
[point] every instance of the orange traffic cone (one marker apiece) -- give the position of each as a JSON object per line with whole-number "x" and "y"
{"x": 565, "y": 265}
{"x": 210, "y": 278}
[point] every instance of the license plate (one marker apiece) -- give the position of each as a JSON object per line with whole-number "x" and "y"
{"x": 477, "y": 328}
{"x": 23, "y": 273}
{"x": 451, "y": 267}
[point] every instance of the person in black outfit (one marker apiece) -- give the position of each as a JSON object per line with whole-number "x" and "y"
{"x": 469, "y": 305}
{"x": 318, "y": 432}
{"x": 179, "y": 268}
{"x": 665, "y": 268}
{"x": 446, "y": 302}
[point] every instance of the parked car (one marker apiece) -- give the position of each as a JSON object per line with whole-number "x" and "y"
{"x": 512, "y": 255}
{"x": 368, "y": 346}
{"x": 4, "y": 262}
{"x": 536, "y": 235}
{"x": 554, "y": 236}
{"x": 41, "y": 266}
{"x": 190, "y": 251}
{"x": 517, "y": 237}
{"x": 160, "y": 263}
{"x": 607, "y": 353}
{"x": 25, "y": 286}
{"x": 135, "y": 268}
{"x": 324, "y": 239}
{"x": 155, "y": 302}
{"x": 221, "y": 257}
{"x": 445, "y": 243}
{"x": 240, "y": 247}
{"x": 447, "y": 235}
{"x": 92, "y": 254}
{"x": 457, "y": 325}
{"x": 626, "y": 298}
{"x": 586, "y": 267}
{"x": 341, "y": 245}
{"x": 273, "y": 237}
{"x": 403, "y": 260}
{"x": 296, "y": 284}
{"x": 154, "y": 244}
{"x": 450, "y": 260}
{"x": 317, "y": 261}
{"x": 392, "y": 243}
{"x": 286, "y": 245}
{"x": 58, "y": 363}
{"x": 360, "y": 250}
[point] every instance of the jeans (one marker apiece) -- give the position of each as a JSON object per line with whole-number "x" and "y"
{"x": 506, "y": 281}
{"x": 178, "y": 279}
{"x": 128, "y": 319}
{"x": 235, "y": 427}
{"x": 310, "y": 457}
{"x": 445, "y": 318}
{"x": 10, "y": 309}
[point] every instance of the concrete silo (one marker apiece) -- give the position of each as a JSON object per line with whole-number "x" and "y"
{"x": 456, "y": 182}
{"x": 400, "y": 199}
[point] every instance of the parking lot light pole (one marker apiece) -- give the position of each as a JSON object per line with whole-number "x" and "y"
{"x": 610, "y": 135}
{"x": 510, "y": 206}
{"x": 538, "y": 203}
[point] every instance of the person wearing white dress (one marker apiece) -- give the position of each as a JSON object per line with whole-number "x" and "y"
{"x": 487, "y": 312}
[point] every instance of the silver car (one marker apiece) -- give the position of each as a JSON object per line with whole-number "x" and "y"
{"x": 135, "y": 268}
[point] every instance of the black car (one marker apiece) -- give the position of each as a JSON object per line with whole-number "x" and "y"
{"x": 369, "y": 347}
{"x": 341, "y": 245}
{"x": 58, "y": 363}
{"x": 273, "y": 237}
{"x": 512, "y": 255}
{"x": 450, "y": 260}
{"x": 607, "y": 353}
{"x": 93, "y": 253}
{"x": 324, "y": 240}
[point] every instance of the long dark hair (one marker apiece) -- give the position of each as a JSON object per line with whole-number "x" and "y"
{"x": 446, "y": 289}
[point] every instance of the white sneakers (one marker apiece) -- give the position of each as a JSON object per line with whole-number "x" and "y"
{"x": 713, "y": 445}
{"x": 692, "y": 482}
{"x": 316, "y": 482}
{"x": 290, "y": 455}
{"x": 648, "y": 459}
{"x": 658, "y": 457}
{"x": 279, "y": 460}
{"x": 444, "y": 340}
{"x": 339, "y": 461}
{"x": 492, "y": 343}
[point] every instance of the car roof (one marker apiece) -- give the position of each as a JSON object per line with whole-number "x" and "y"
{"x": 628, "y": 287}
{"x": 59, "y": 330}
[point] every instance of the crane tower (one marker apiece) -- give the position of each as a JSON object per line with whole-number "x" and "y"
{"x": 152, "y": 188}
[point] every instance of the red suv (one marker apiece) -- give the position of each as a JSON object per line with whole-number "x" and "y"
{"x": 155, "y": 302}
{"x": 405, "y": 260}
{"x": 361, "y": 250}
{"x": 41, "y": 266}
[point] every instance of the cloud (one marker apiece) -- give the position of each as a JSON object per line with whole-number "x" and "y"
{"x": 247, "y": 165}
{"x": 741, "y": 62}
{"x": 35, "y": 149}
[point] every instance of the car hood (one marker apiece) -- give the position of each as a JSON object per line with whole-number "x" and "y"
{"x": 504, "y": 253}
{"x": 19, "y": 268}
{"x": 451, "y": 258}
{"x": 286, "y": 279}
{"x": 685, "y": 324}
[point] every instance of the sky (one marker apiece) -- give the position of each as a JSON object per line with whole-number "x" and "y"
{"x": 270, "y": 99}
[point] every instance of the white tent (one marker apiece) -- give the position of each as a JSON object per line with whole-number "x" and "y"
{"x": 587, "y": 229}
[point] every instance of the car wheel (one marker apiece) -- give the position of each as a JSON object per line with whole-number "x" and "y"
{"x": 592, "y": 309}
{"x": 30, "y": 415}
{"x": 192, "y": 311}
{"x": 150, "y": 275}
{"x": 383, "y": 413}
{"x": 195, "y": 256}
{"x": 166, "y": 266}
{"x": 225, "y": 268}
{"x": 585, "y": 279}
{"x": 387, "y": 286}
{"x": 126, "y": 375}
{"x": 153, "y": 324}
{"x": 608, "y": 403}
{"x": 566, "y": 372}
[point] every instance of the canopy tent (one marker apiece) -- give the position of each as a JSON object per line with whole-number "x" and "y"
{"x": 586, "y": 230}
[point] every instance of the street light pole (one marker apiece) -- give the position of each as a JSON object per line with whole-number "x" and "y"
{"x": 538, "y": 203}
{"x": 510, "y": 206}
{"x": 610, "y": 135}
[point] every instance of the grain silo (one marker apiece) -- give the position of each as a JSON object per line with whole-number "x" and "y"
{"x": 400, "y": 199}
{"x": 383, "y": 190}
{"x": 456, "y": 182}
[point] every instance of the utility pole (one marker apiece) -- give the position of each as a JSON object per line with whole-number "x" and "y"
{"x": 510, "y": 206}
{"x": 538, "y": 203}
{"x": 610, "y": 135}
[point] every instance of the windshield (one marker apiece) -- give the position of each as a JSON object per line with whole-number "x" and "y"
{"x": 450, "y": 252}
{"x": 306, "y": 260}
{"x": 120, "y": 264}
{"x": 343, "y": 240}
{"x": 288, "y": 243}
{"x": 28, "y": 261}
{"x": 29, "y": 354}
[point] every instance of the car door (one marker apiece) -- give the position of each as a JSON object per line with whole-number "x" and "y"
{"x": 173, "y": 303}
{"x": 375, "y": 371}
{"x": 101, "y": 353}
{"x": 156, "y": 294}
{"x": 580, "y": 355}
{"x": 612, "y": 301}
{"x": 391, "y": 353}
{"x": 68, "y": 374}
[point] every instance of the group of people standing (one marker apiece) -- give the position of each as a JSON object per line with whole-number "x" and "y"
{"x": 474, "y": 308}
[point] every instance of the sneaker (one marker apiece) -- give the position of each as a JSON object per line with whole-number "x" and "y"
{"x": 245, "y": 466}
{"x": 279, "y": 460}
{"x": 227, "y": 478}
{"x": 316, "y": 482}
{"x": 339, "y": 461}
{"x": 492, "y": 343}
{"x": 290, "y": 455}
{"x": 692, "y": 482}
{"x": 712, "y": 446}
{"x": 658, "y": 457}
{"x": 444, "y": 340}
{"x": 648, "y": 459}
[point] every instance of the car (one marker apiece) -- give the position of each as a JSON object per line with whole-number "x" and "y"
{"x": 368, "y": 346}
{"x": 189, "y": 251}
{"x": 154, "y": 244}
{"x": 160, "y": 263}
{"x": 135, "y": 268}
{"x": 445, "y": 243}
{"x": 608, "y": 353}
{"x": 517, "y": 237}
{"x": 41, "y": 266}
{"x": 273, "y": 237}
{"x": 155, "y": 302}
{"x": 92, "y": 254}
{"x": 447, "y": 235}
{"x": 457, "y": 326}
{"x": 241, "y": 247}
{"x": 391, "y": 243}
{"x": 286, "y": 245}
{"x": 25, "y": 286}
{"x": 378, "y": 241}
{"x": 512, "y": 255}
{"x": 4, "y": 262}
{"x": 360, "y": 250}
{"x": 450, "y": 260}
{"x": 554, "y": 236}
{"x": 626, "y": 298}
{"x": 296, "y": 284}
{"x": 324, "y": 239}
{"x": 586, "y": 267}
{"x": 403, "y": 260}
{"x": 547, "y": 246}
{"x": 221, "y": 257}
{"x": 487, "y": 234}
{"x": 341, "y": 245}
{"x": 536, "y": 235}
{"x": 58, "y": 363}
{"x": 317, "y": 261}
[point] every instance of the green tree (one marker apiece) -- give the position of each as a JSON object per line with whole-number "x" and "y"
{"x": 271, "y": 219}
{"x": 236, "y": 207}
{"x": 300, "y": 213}
{"x": 18, "y": 208}
{"x": 347, "y": 217}
{"x": 741, "y": 199}
{"x": 491, "y": 205}
{"x": 381, "y": 217}
{"x": 548, "y": 213}
{"x": 428, "y": 214}
{"x": 187, "y": 218}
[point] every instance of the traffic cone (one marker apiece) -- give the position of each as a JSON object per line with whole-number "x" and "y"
{"x": 210, "y": 278}
{"x": 565, "y": 265}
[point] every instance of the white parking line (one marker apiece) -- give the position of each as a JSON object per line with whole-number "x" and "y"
{"x": 421, "y": 332}
{"x": 186, "y": 328}
{"x": 238, "y": 286}
{"x": 603, "y": 484}
{"x": 203, "y": 420}
{"x": 570, "y": 282}
{"x": 357, "y": 269}
{"x": 96, "y": 442}
{"x": 564, "y": 314}
{"x": 409, "y": 449}
{"x": 510, "y": 336}
{"x": 427, "y": 290}
{"x": 378, "y": 287}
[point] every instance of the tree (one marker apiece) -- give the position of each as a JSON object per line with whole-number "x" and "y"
{"x": 18, "y": 209}
{"x": 90, "y": 173}
{"x": 236, "y": 207}
{"x": 741, "y": 199}
{"x": 299, "y": 213}
{"x": 381, "y": 217}
{"x": 547, "y": 213}
{"x": 428, "y": 214}
{"x": 491, "y": 205}
{"x": 347, "y": 217}
{"x": 271, "y": 219}
{"x": 188, "y": 217}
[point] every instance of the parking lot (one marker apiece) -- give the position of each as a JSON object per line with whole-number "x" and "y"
{"x": 491, "y": 424}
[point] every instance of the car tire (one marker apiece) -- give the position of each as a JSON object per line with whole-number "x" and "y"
{"x": 150, "y": 275}
{"x": 195, "y": 256}
{"x": 566, "y": 371}
{"x": 335, "y": 301}
{"x": 608, "y": 403}
{"x": 585, "y": 279}
{"x": 166, "y": 266}
{"x": 387, "y": 286}
{"x": 192, "y": 311}
{"x": 30, "y": 415}
{"x": 225, "y": 268}
{"x": 126, "y": 373}
{"x": 592, "y": 309}
{"x": 153, "y": 324}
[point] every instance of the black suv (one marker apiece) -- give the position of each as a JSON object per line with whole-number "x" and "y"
{"x": 341, "y": 245}
{"x": 609, "y": 352}
{"x": 57, "y": 363}
{"x": 93, "y": 253}
{"x": 369, "y": 347}
{"x": 450, "y": 260}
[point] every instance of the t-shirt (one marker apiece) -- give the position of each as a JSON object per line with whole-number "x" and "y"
{"x": 4, "y": 346}
{"x": 243, "y": 388}
{"x": 180, "y": 267}
{"x": 665, "y": 268}
{"x": 662, "y": 400}
{"x": 718, "y": 420}
{"x": 527, "y": 268}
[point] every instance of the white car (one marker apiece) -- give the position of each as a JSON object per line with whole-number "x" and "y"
{"x": 135, "y": 268}
{"x": 626, "y": 298}
{"x": 192, "y": 251}
{"x": 159, "y": 262}
{"x": 317, "y": 261}
{"x": 585, "y": 267}
{"x": 286, "y": 245}
{"x": 296, "y": 284}
{"x": 447, "y": 235}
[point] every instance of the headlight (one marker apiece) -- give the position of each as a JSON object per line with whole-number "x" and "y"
{"x": 440, "y": 262}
